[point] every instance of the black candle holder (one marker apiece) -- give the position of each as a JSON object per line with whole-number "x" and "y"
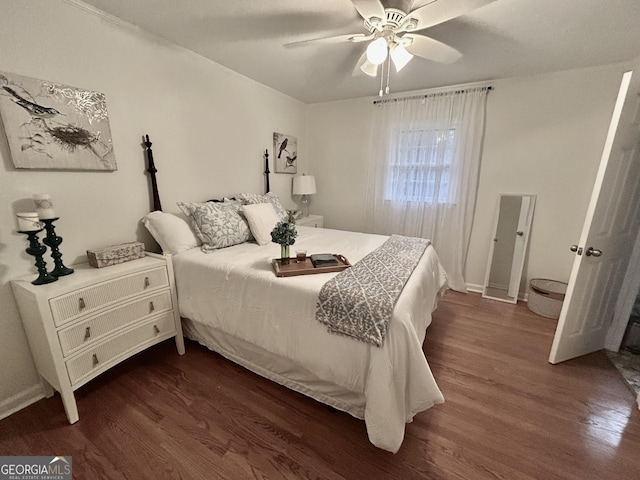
{"x": 53, "y": 242}
{"x": 36, "y": 249}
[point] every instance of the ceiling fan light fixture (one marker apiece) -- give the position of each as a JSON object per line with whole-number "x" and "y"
{"x": 369, "y": 68}
{"x": 400, "y": 57}
{"x": 377, "y": 51}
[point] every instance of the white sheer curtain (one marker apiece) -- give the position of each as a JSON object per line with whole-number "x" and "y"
{"x": 423, "y": 172}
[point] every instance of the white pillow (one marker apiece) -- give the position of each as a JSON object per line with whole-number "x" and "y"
{"x": 262, "y": 218}
{"x": 172, "y": 232}
{"x": 269, "y": 197}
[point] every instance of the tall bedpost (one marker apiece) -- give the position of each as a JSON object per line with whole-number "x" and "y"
{"x": 266, "y": 168}
{"x": 151, "y": 168}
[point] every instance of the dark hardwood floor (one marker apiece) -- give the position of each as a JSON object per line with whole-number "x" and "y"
{"x": 508, "y": 415}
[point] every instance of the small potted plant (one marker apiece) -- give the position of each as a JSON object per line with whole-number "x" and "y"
{"x": 284, "y": 234}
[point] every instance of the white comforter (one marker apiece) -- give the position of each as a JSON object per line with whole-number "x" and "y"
{"x": 237, "y": 306}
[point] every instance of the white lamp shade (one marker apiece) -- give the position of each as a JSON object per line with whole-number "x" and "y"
{"x": 400, "y": 57}
{"x": 304, "y": 185}
{"x": 377, "y": 51}
{"x": 369, "y": 68}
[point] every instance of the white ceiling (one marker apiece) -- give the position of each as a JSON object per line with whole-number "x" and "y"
{"x": 505, "y": 38}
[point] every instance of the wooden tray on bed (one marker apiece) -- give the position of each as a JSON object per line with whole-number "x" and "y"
{"x": 306, "y": 267}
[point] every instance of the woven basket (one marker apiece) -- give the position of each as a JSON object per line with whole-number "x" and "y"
{"x": 546, "y": 297}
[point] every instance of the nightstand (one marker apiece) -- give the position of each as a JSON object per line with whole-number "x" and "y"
{"x": 311, "y": 221}
{"x": 85, "y": 323}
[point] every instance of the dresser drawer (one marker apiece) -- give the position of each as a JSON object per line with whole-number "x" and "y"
{"x": 85, "y": 333}
{"x": 82, "y": 301}
{"x": 93, "y": 361}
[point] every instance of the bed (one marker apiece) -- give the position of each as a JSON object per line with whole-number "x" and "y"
{"x": 231, "y": 301}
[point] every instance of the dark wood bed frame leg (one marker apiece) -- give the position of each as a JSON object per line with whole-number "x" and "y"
{"x": 151, "y": 168}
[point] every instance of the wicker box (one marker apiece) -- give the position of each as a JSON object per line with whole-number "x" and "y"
{"x": 115, "y": 254}
{"x": 546, "y": 297}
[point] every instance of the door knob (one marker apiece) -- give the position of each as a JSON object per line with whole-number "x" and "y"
{"x": 576, "y": 248}
{"x": 520, "y": 233}
{"x": 593, "y": 252}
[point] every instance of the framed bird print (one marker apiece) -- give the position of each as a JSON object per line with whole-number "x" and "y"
{"x": 285, "y": 153}
{"x": 54, "y": 126}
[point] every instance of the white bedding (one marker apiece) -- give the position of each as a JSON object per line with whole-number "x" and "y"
{"x": 233, "y": 303}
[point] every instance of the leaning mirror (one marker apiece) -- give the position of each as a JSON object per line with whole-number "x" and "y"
{"x": 508, "y": 247}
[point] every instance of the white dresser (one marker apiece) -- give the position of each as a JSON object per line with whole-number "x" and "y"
{"x": 87, "y": 322}
{"x": 311, "y": 221}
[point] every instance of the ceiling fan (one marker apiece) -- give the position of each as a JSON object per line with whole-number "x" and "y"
{"x": 391, "y": 33}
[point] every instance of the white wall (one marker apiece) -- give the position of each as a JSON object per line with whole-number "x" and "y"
{"x": 544, "y": 135}
{"x": 339, "y": 147}
{"x": 209, "y": 127}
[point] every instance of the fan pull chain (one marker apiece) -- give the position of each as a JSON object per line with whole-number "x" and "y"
{"x": 381, "y": 79}
{"x": 388, "y": 72}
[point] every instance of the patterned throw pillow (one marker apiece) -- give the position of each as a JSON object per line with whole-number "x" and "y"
{"x": 218, "y": 225}
{"x": 253, "y": 198}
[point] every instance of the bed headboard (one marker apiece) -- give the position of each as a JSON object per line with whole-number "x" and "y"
{"x": 266, "y": 170}
{"x": 151, "y": 169}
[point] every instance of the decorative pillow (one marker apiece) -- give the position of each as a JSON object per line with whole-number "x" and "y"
{"x": 254, "y": 198}
{"x": 172, "y": 232}
{"x": 262, "y": 218}
{"x": 223, "y": 199}
{"x": 218, "y": 225}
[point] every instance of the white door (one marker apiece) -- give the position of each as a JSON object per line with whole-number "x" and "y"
{"x": 608, "y": 234}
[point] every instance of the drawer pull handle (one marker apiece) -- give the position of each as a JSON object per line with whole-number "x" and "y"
{"x": 156, "y": 330}
{"x": 151, "y": 307}
{"x": 146, "y": 282}
{"x": 87, "y": 334}
{"x": 81, "y": 303}
{"x": 95, "y": 360}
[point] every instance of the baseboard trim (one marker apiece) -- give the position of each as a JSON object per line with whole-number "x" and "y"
{"x": 472, "y": 287}
{"x": 475, "y": 288}
{"x": 21, "y": 400}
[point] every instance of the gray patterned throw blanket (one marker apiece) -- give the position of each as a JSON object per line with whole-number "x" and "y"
{"x": 359, "y": 301}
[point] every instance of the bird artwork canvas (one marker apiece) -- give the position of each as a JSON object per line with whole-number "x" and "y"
{"x": 285, "y": 153}
{"x": 54, "y": 126}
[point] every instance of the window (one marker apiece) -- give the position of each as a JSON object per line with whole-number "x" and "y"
{"x": 423, "y": 171}
{"x": 419, "y": 168}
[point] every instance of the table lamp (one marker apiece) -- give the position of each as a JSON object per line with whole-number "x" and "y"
{"x": 304, "y": 185}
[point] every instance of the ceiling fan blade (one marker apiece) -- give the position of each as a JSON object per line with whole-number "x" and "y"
{"x": 354, "y": 37}
{"x": 364, "y": 66}
{"x": 439, "y": 11}
{"x": 369, "y": 8}
{"x": 431, "y": 49}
